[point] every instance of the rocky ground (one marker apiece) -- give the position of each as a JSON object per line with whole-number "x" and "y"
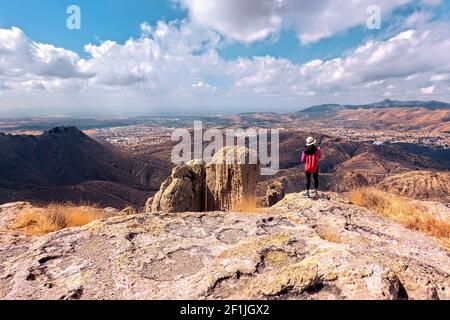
{"x": 299, "y": 249}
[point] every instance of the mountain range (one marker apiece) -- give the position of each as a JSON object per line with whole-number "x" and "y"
{"x": 64, "y": 164}
{"x": 387, "y": 103}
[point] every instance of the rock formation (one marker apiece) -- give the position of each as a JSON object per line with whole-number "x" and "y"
{"x": 275, "y": 192}
{"x": 218, "y": 186}
{"x": 299, "y": 249}
{"x": 230, "y": 178}
{"x": 182, "y": 191}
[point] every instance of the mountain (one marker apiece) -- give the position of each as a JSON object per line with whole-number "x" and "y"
{"x": 431, "y": 119}
{"x": 430, "y": 105}
{"x": 64, "y": 164}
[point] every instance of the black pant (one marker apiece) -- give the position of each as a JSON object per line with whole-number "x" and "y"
{"x": 316, "y": 179}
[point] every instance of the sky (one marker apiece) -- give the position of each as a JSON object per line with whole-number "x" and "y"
{"x": 139, "y": 57}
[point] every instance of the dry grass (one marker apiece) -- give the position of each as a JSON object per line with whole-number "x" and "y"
{"x": 54, "y": 217}
{"x": 402, "y": 210}
{"x": 329, "y": 235}
{"x": 246, "y": 205}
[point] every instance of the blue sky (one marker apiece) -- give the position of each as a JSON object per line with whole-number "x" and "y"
{"x": 45, "y": 20}
{"x": 118, "y": 20}
{"x": 219, "y": 53}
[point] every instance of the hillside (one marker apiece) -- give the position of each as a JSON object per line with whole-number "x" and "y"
{"x": 64, "y": 164}
{"x": 350, "y": 164}
{"x": 300, "y": 249}
{"x": 387, "y": 103}
{"x": 423, "y": 185}
{"x": 417, "y": 118}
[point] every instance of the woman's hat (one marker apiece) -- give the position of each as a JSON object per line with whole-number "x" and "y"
{"x": 310, "y": 141}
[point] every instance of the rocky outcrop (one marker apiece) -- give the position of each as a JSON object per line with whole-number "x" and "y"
{"x": 275, "y": 192}
{"x": 218, "y": 186}
{"x": 299, "y": 249}
{"x": 182, "y": 191}
{"x": 231, "y": 179}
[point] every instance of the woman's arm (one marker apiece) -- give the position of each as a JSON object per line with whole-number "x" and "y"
{"x": 319, "y": 153}
{"x": 303, "y": 157}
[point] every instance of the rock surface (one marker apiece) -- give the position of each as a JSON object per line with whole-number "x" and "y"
{"x": 298, "y": 249}
{"x": 275, "y": 193}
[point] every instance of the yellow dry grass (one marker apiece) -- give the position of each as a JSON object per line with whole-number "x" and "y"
{"x": 402, "y": 210}
{"x": 246, "y": 205}
{"x": 54, "y": 217}
{"x": 329, "y": 235}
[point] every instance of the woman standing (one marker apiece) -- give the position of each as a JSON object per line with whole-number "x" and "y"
{"x": 310, "y": 156}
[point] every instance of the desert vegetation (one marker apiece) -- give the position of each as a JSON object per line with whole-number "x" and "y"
{"x": 402, "y": 210}
{"x": 38, "y": 221}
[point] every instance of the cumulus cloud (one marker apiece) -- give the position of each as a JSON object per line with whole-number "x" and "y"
{"x": 177, "y": 64}
{"x": 376, "y": 67}
{"x": 253, "y": 20}
{"x": 22, "y": 57}
{"x": 245, "y": 21}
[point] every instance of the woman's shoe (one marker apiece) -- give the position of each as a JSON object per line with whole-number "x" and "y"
{"x": 306, "y": 194}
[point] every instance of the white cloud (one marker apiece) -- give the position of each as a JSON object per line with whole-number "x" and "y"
{"x": 253, "y": 20}
{"x": 177, "y": 65}
{"x": 440, "y": 77}
{"x": 418, "y": 18}
{"x": 427, "y": 90}
{"x": 245, "y": 21}
{"x": 22, "y": 57}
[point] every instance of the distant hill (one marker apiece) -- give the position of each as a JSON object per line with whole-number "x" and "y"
{"x": 431, "y": 105}
{"x": 423, "y": 185}
{"x": 64, "y": 164}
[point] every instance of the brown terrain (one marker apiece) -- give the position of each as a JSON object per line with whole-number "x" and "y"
{"x": 423, "y": 185}
{"x": 64, "y": 164}
{"x": 433, "y": 121}
{"x": 220, "y": 231}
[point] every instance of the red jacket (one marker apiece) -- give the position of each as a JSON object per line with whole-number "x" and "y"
{"x": 311, "y": 160}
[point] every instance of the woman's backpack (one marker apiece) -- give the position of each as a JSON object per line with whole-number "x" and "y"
{"x": 311, "y": 163}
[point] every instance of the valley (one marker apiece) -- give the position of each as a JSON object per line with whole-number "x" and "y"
{"x": 107, "y": 201}
{"x": 122, "y": 165}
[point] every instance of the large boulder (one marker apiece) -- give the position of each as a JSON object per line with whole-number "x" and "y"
{"x": 181, "y": 192}
{"x": 231, "y": 179}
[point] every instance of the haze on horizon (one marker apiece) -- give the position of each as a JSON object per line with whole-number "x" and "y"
{"x": 219, "y": 56}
